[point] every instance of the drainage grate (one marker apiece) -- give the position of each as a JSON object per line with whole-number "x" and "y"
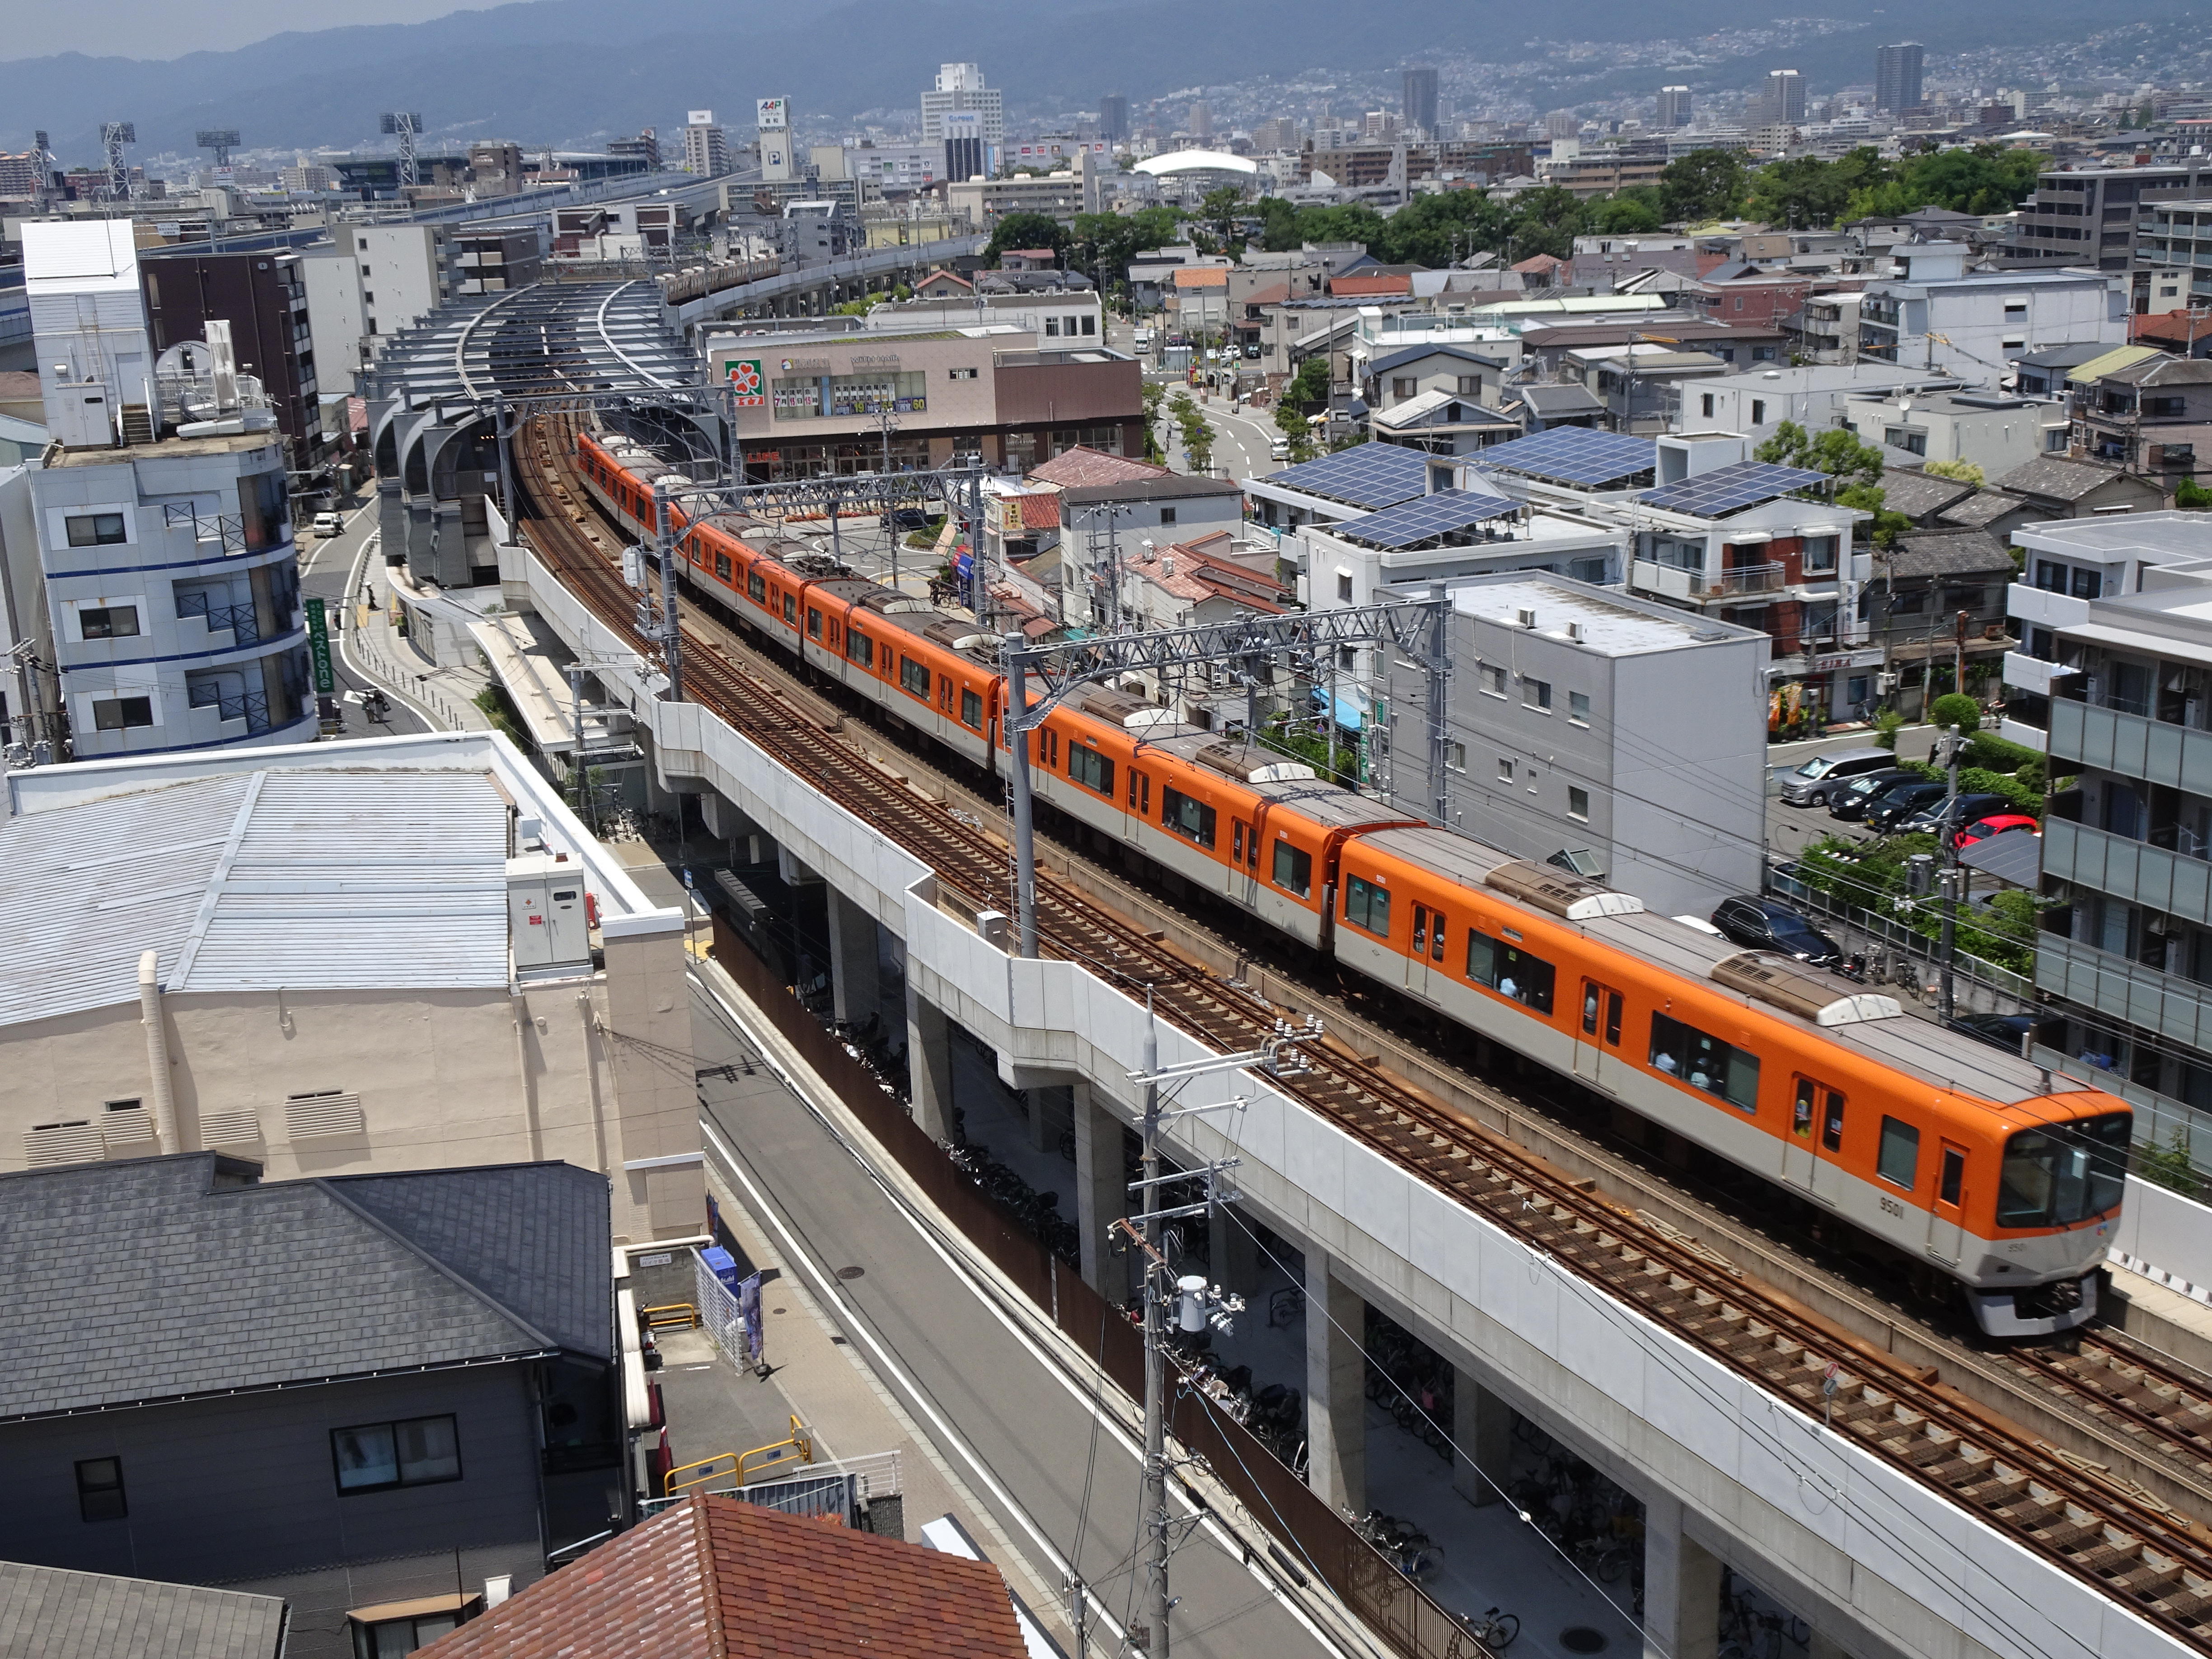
{"x": 1581, "y": 1638}
{"x": 850, "y": 1272}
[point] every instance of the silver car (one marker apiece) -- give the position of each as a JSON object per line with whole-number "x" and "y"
{"x": 1811, "y": 784}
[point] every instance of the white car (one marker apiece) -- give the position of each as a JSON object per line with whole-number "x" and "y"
{"x": 328, "y": 525}
{"x": 1280, "y": 450}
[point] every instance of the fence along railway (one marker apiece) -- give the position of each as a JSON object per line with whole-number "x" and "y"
{"x": 2106, "y": 1531}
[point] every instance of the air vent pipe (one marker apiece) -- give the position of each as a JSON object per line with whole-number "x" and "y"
{"x": 157, "y": 1051}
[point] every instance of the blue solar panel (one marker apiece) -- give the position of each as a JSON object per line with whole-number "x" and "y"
{"x": 1729, "y": 488}
{"x": 1574, "y": 455}
{"x": 1425, "y": 517}
{"x": 1372, "y": 476}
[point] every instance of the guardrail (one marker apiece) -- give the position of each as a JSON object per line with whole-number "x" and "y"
{"x": 1893, "y": 935}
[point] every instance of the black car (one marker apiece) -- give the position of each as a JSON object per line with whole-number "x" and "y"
{"x": 1890, "y": 810}
{"x": 1763, "y": 924}
{"x": 908, "y": 518}
{"x": 1999, "y": 1030}
{"x": 1940, "y": 817}
{"x": 1851, "y": 802}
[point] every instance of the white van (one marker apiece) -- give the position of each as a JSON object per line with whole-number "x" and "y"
{"x": 328, "y": 525}
{"x": 1280, "y": 450}
{"x": 1811, "y": 784}
{"x": 1143, "y": 339}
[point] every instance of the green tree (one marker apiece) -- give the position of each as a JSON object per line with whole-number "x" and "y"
{"x": 2191, "y": 497}
{"x": 1706, "y": 184}
{"x": 1190, "y": 425}
{"x": 1154, "y": 394}
{"x": 1633, "y": 212}
{"x": 2170, "y": 1165}
{"x": 1220, "y": 208}
{"x": 1956, "y": 708}
{"x": 1438, "y": 229}
{"x": 1964, "y": 471}
{"x": 1885, "y": 526}
{"x": 1310, "y": 384}
{"x": 1835, "y": 452}
{"x": 1986, "y": 179}
{"x": 1290, "y": 421}
{"x": 1806, "y": 193}
{"x": 1025, "y": 230}
{"x": 1548, "y": 221}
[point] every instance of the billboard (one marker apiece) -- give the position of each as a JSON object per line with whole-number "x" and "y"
{"x": 747, "y": 384}
{"x": 700, "y": 118}
{"x": 774, "y": 113}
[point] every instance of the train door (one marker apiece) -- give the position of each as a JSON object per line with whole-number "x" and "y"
{"x": 1427, "y": 955}
{"x": 1947, "y": 1217}
{"x": 1597, "y": 1039}
{"x": 1827, "y": 1175}
{"x": 1139, "y": 805}
{"x": 1797, "y": 1155}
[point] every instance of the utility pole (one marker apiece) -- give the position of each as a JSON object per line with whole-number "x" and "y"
{"x": 577, "y": 721}
{"x": 1196, "y": 1303}
{"x": 1017, "y": 744}
{"x": 671, "y": 630}
{"x": 1950, "y": 744}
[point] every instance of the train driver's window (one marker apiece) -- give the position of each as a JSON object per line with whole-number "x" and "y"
{"x": 1899, "y": 1160}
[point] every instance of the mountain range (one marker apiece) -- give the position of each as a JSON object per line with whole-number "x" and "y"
{"x": 573, "y": 72}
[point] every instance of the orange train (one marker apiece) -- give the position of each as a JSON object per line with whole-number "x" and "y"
{"x": 1970, "y": 1164}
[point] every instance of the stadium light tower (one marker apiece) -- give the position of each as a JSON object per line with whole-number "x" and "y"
{"x": 220, "y": 140}
{"x": 406, "y": 125}
{"x": 113, "y": 135}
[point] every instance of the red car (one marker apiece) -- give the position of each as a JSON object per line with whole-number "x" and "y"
{"x": 1996, "y": 824}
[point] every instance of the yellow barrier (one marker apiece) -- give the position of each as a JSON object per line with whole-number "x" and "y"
{"x": 798, "y": 1448}
{"x": 671, "y": 1317}
{"x": 669, "y": 1486}
{"x": 800, "y": 1441}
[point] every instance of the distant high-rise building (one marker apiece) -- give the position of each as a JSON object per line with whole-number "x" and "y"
{"x": 1673, "y": 106}
{"x": 1379, "y": 124}
{"x": 1785, "y": 96}
{"x": 1199, "y": 122}
{"x": 1896, "y": 77}
{"x": 778, "y": 158}
{"x": 1114, "y": 117}
{"x": 646, "y": 147}
{"x": 1281, "y": 133}
{"x": 1562, "y": 123}
{"x": 706, "y": 150}
{"x": 960, "y": 87}
{"x": 1418, "y": 105}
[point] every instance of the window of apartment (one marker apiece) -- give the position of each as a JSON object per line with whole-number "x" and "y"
{"x": 1588, "y": 570}
{"x": 1536, "y": 694}
{"x": 114, "y": 621}
{"x": 2020, "y": 344}
{"x": 2015, "y": 307}
{"x": 1705, "y": 404}
{"x": 389, "y": 1638}
{"x": 96, "y": 529}
{"x": 2088, "y": 584}
{"x": 120, "y": 714}
{"x": 417, "y": 1451}
{"x": 1759, "y": 412}
{"x": 1052, "y": 327}
{"x": 100, "y": 1490}
{"x": 1578, "y": 708}
{"x": 1763, "y": 354}
{"x": 1505, "y": 769}
{"x": 1403, "y": 385}
{"x": 968, "y": 374}
{"x": 1167, "y": 515}
{"x": 1469, "y": 386}
{"x": 1456, "y": 757}
{"x": 1344, "y": 585}
{"x": 1091, "y": 326}
{"x": 1493, "y": 679}
{"x": 1578, "y": 804}
{"x": 1819, "y": 557}
{"x": 1905, "y": 438}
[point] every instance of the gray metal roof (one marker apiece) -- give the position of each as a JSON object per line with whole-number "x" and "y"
{"x": 233, "y": 1287}
{"x": 608, "y": 336}
{"x": 56, "y": 1614}
{"x": 1981, "y": 509}
{"x": 307, "y": 880}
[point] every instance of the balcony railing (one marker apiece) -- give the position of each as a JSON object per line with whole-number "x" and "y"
{"x": 2131, "y": 744}
{"x": 240, "y": 621}
{"x": 2177, "y": 1009}
{"x": 2044, "y": 608}
{"x": 1676, "y": 582}
{"x": 2159, "y": 878}
{"x": 251, "y": 707}
{"x": 227, "y": 528}
{"x": 2032, "y": 673}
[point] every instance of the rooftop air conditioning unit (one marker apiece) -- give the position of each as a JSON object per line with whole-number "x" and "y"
{"x": 1526, "y": 618}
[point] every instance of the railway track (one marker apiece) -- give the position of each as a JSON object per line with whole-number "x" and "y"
{"x": 2109, "y": 1532}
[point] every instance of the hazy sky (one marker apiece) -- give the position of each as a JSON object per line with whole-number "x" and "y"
{"x": 165, "y": 28}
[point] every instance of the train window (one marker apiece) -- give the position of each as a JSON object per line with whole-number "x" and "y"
{"x": 1832, "y": 1123}
{"x": 1800, "y": 1110}
{"x": 1293, "y": 868}
{"x": 1051, "y": 750}
{"x": 722, "y": 566}
{"x": 861, "y": 648}
{"x": 1899, "y": 1160}
{"x": 790, "y": 607}
{"x": 1509, "y": 971}
{"x": 1420, "y": 926}
{"x": 971, "y": 709}
{"x": 1703, "y": 1062}
{"x": 1591, "y": 1002}
{"x": 1951, "y": 1182}
{"x": 1366, "y": 905}
{"x": 1439, "y": 922}
{"x": 2057, "y": 1178}
{"x": 1594, "y": 998}
{"x": 813, "y": 623}
{"x": 1140, "y": 792}
{"x": 915, "y": 677}
{"x": 1090, "y": 768}
{"x": 1187, "y": 816}
{"x": 1238, "y": 856}
{"x": 1612, "y": 1011}
{"x": 756, "y": 586}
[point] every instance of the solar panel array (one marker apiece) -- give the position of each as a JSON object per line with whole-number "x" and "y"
{"x": 1425, "y": 517}
{"x": 1372, "y": 476}
{"x": 1729, "y": 489}
{"x": 1574, "y": 455}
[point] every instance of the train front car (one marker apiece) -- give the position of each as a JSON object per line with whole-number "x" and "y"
{"x": 2043, "y": 1228}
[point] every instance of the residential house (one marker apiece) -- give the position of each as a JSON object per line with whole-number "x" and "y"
{"x": 54, "y": 1614}
{"x": 1113, "y": 510}
{"x": 1198, "y": 301}
{"x": 1442, "y": 423}
{"x": 2153, "y": 417}
{"x": 713, "y": 1577}
{"x": 347, "y": 1391}
{"x": 2183, "y": 333}
{"x": 1921, "y": 585}
{"x": 2059, "y": 487}
{"x": 1921, "y": 495}
{"x": 1936, "y": 313}
{"x": 1393, "y": 378}
{"x": 942, "y": 284}
{"x": 1540, "y": 405}
{"x": 2044, "y": 374}
{"x": 1812, "y": 395}
{"x": 1993, "y": 430}
{"x": 1741, "y": 347}
{"x": 1642, "y": 386}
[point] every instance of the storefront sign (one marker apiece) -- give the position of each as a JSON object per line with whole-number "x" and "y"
{"x": 318, "y": 649}
{"x": 746, "y": 380}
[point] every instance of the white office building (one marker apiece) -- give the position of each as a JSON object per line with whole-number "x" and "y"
{"x": 960, "y": 87}
{"x": 371, "y": 283}
{"x": 1936, "y": 314}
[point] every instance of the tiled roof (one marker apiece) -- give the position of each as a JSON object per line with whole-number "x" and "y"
{"x": 92, "y": 1615}
{"x": 237, "y": 1287}
{"x": 1201, "y": 277}
{"x": 1983, "y": 508}
{"x": 717, "y": 1579}
{"x": 1920, "y": 494}
{"x": 1266, "y": 296}
{"x": 1945, "y": 553}
{"x": 1082, "y": 466}
{"x": 1343, "y": 287}
{"x": 2056, "y": 478}
{"x": 1041, "y": 511}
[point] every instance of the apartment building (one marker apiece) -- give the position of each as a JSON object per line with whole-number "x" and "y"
{"x": 1993, "y": 431}
{"x": 2090, "y": 215}
{"x": 370, "y": 281}
{"x": 1564, "y": 740}
{"x": 262, "y": 297}
{"x": 2153, "y": 416}
{"x": 960, "y": 88}
{"x": 978, "y": 204}
{"x": 1936, "y": 314}
{"x": 1812, "y": 395}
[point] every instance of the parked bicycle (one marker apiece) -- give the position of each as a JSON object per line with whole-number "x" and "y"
{"x": 1494, "y": 1629}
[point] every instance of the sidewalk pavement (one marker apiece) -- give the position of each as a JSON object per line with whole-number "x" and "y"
{"x": 372, "y": 645}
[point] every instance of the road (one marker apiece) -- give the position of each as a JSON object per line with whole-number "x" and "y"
{"x": 1059, "y": 1475}
{"x": 327, "y": 572}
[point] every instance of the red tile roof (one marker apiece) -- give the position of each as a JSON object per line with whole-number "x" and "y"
{"x": 2172, "y": 328}
{"x": 1041, "y": 511}
{"x": 717, "y": 1579}
{"x": 1201, "y": 277}
{"x": 1383, "y": 284}
{"x": 1080, "y": 468}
